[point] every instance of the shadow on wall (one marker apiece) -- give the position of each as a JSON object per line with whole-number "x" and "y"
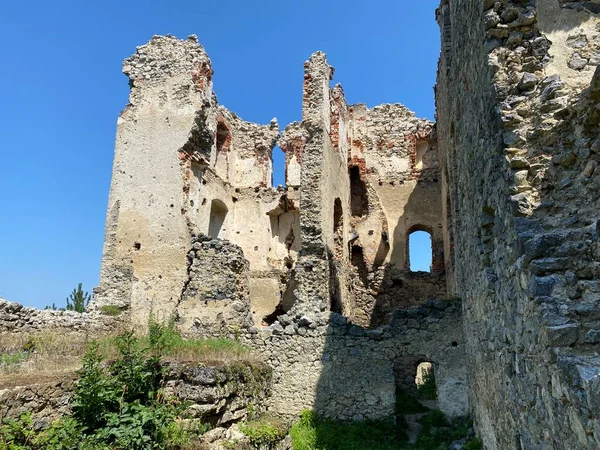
{"x": 385, "y": 283}
{"x": 374, "y": 372}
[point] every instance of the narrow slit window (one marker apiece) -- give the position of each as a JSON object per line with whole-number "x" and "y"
{"x": 278, "y": 167}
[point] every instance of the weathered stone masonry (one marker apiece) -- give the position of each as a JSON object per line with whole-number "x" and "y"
{"x": 316, "y": 276}
{"x": 517, "y": 106}
{"x": 196, "y": 231}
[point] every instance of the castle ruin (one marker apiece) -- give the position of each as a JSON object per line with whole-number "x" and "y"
{"x": 315, "y": 276}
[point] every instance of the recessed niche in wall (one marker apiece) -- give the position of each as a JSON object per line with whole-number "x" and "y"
{"x": 218, "y": 212}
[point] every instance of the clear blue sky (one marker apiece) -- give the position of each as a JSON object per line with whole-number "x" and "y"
{"x": 62, "y": 90}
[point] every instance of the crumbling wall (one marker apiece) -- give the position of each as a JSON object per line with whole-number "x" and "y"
{"x": 244, "y": 150}
{"x": 217, "y": 395}
{"x": 183, "y": 166}
{"x": 16, "y": 318}
{"x": 517, "y": 131}
{"x": 171, "y": 106}
{"x": 215, "y": 300}
{"x": 396, "y": 189}
{"x": 195, "y": 231}
{"x": 348, "y": 372}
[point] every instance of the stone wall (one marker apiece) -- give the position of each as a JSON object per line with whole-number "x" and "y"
{"x": 217, "y": 395}
{"x": 517, "y": 104}
{"x": 393, "y": 161}
{"x": 16, "y": 318}
{"x": 215, "y": 300}
{"x": 348, "y": 372}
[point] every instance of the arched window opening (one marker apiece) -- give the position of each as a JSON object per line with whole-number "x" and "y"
{"x": 359, "y": 199}
{"x": 278, "y": 167}
{"x": 218, "y": 212}
{"x": 422, "y": 147}
{"x": 425, "y": 381}
{"x": 420, "y": 251}
{"x": 223, "y": 137}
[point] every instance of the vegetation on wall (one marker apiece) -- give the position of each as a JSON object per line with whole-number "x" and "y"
{"x": 119, "y": 401}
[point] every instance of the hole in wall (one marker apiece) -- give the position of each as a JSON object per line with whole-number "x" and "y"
{"x": 287, "y": 301}
{"x": 278, "y": 158}
{"x": 454, "y": 344}
{"x": 338, "y": 228}
{"x": 335, "y": 295}
{"x": 422, "y": 147}
{"x": 223, "y": 137}
{"x": 218, "y": 212}
{"x": 359, "y": 199}
{"x": 420, "y": 251}
{"x": 425, "y": 381}
{"x": 357, "y": 258}
{"x": 137, "y": 245}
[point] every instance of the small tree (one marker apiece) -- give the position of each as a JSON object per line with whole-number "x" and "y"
{"x": 78, "y": 300}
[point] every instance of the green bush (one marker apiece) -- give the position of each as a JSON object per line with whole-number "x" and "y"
{"x": 437, "y": 432}
{"x": 474, "y": 444}
{"x": 408, "y": 404}
{"x": 17, "y": 434}
{"x": 264, "y": 432}
{"x": 116, "y": 405}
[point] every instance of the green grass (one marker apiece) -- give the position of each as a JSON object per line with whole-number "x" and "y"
{"x": 13, "y": 359}
{"x": 172, "y": 345}
{"x": 314, "y": 433}
{"x": 110, "y": 310}
{"x": 264, "y": 432}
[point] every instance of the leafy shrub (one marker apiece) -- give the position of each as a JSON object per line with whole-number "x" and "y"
{"x": 264, "y": 432}
{"x": 408, "y": 404}
{"x": 17, "y": 434}
{"x": 116, "y": 405}
{"x": 474, "y": 444}
{"x": 437, "y": 432}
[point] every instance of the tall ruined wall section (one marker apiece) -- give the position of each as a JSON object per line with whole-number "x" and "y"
{"x": 395, "y": 191}
{"x": 185, "y": 166}
{"x": 518, "y": 120}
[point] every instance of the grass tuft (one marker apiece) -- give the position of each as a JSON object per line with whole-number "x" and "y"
{"x": 110, "y": 310}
